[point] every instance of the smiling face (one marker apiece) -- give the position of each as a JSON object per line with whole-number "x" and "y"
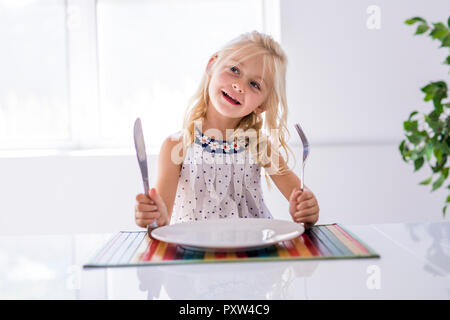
{"x": 237, "y": 89}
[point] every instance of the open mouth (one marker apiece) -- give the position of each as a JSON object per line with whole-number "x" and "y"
{"x": 230, "y": 99}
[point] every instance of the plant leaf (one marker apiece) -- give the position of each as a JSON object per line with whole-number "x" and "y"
{"x": 439, "y": 31}
{"x": 428, "y": 151}
{"x": 410, "y": 126}
{"x": 432, "y": 87}
{"x": 439, "y": 94}
{"x": 432, "y": 123}
{"x": 429, "y": 90}
{"x": 418, "y": 163}
{"x": 422, "y": 28}
{"x": 414, "y": 20}
{"x": 445, "y": 148}
{"x": 445, "y": 172}
{"x": 415, "y": 139}
{"x": 413, "y": 113}
{"x": 426, "y": 181}
{"x": 401, "y": 147}
{"x": 424, "y": 134}
{"x": 438, "y": 154}
{"x": 438, "y": 183}
{"x": 434, "y": 115}
{"x": 441, "y": 84}
{"x": 403, "y": 150}
{"x": 445, "y": 41}
{"x": 443, "y": 210}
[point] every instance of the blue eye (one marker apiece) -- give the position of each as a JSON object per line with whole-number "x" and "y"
{"x": 255, "y": 85}
{"x": 234, "y": 69}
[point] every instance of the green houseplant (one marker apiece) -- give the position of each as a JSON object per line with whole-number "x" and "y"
{"x": 427, "y": 135}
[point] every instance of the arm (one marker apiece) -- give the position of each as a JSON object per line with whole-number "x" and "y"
{"x": 303, "y": 206}
{"x": 168, "y": 173}
{"x": 160, "y": 202}
{"x": 286, "y": 182}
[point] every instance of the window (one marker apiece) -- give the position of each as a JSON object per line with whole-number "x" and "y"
{"x": 34, "y": 103}
{"x": 80, "y": 72}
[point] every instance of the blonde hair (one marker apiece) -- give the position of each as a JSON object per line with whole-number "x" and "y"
{"x": 269, "y": 142}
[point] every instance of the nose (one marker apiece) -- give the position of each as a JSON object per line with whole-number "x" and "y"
{"x": 237, "y": 87}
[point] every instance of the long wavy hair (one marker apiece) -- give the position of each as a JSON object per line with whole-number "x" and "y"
{"x": 270, "y": 139}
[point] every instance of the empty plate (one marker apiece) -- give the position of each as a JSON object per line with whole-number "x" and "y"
{"x": 228, "y": 234}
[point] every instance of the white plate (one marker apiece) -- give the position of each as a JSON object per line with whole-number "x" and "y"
{"x": 229, "y": 234}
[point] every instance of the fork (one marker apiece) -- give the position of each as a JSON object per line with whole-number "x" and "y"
{"x": 305, "y": 153}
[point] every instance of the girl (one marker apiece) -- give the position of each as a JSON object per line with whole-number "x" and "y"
{"x": 211, "y": 169}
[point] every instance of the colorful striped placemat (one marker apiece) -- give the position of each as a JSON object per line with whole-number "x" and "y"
{"x": 136, "y": 248}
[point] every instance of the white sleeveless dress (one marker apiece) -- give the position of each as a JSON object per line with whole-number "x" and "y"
{"x": 218, "y": 180}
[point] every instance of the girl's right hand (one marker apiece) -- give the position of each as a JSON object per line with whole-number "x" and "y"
{"x": 148, "y": 209}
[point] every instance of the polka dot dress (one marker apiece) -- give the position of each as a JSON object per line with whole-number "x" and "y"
{"x": 218, "y": 180}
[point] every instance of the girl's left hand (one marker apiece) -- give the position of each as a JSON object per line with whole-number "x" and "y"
{"x": 303, "y": 207}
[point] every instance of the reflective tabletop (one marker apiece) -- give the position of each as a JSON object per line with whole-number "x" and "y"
{"x": 414, "y": 264}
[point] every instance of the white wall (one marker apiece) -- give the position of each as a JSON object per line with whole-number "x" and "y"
{"x": 351, "y": 88}
{"x": 348, "y": 86}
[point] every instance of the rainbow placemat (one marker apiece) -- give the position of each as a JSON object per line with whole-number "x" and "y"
{"x": 319, "y": 242}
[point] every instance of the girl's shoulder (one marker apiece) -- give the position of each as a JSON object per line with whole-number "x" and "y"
{"x": 177, "y": 136}
{"x": 172, "y": 148}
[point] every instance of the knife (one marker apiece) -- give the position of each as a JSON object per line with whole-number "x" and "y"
{"x": 142, "y": 160}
